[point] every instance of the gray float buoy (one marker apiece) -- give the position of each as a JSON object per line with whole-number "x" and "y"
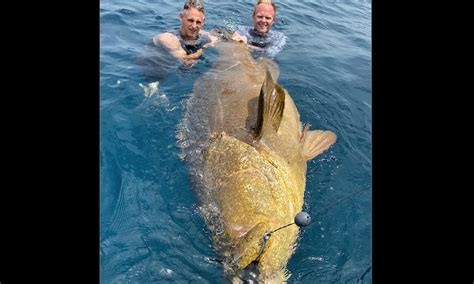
{"x": 302, "y": 219}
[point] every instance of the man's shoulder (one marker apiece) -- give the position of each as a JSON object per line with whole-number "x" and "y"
{"x": 276, "y": 33}
{"x": 165, "y": 39}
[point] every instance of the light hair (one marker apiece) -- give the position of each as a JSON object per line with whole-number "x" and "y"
{"x": 198, "y": 5}
{"x": 258, "y": 2}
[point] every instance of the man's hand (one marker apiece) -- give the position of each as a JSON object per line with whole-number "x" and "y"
{"x": 255, "y": 48}
{"x": 191, "y": 59}
{"x": 238, "y": 37}
{"x": 195, "y": 55}
{"x": 188, "y": 62}
{"x": 213, "y": 40}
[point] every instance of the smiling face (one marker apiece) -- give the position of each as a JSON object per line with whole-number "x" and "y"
{"x": 263, "y": 17}
{"x": 192, "y": 21}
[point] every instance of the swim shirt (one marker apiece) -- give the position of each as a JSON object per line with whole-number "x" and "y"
{"x": 192, "y": 45}
{"x": 271, "y": 42}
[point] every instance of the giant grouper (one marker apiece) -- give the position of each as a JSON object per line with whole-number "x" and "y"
{"x": 246, "y": 150}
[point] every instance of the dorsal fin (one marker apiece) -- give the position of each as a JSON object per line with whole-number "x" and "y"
{"x": 271, "y": 104}
{"x": 316, "y": 142}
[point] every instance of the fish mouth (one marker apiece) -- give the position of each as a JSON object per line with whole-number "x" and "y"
{"x": 249, "y": 274}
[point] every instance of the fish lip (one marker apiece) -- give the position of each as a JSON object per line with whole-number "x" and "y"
{"x": 249, "y": 274}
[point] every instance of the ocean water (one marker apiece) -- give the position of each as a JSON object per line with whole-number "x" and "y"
{"x": 150, "y": 228}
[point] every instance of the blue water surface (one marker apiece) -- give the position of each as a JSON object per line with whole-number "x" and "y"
{"x": 150, "y": 229}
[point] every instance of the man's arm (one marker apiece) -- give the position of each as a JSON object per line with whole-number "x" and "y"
{"x": 213, "y": 39}
{"x": 241, "y": 38}
{"x": 171, "y": 43}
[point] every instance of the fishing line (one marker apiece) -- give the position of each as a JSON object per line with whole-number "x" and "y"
{"x": 342, "y": 199}
{"x": 303, "y": 219}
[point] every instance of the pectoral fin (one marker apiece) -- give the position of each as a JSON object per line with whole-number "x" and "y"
{"x": 316, "y": 142}
{"x": 271, "y": 104}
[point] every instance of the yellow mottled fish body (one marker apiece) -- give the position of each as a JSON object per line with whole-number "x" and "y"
{"x": 246, "y": 151}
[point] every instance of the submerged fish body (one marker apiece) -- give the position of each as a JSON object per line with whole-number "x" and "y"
{"x": 246, "y": 151}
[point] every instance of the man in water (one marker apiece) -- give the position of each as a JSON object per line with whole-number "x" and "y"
{"x": 260, "y": 38}
{"x": 188, "y": 43}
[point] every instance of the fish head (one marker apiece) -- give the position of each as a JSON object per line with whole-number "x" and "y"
{"x": 234, "y": 52}
{"x": 255, "y": 194}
